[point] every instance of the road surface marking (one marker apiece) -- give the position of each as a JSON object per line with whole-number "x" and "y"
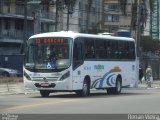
{"x": 36, "y": 105}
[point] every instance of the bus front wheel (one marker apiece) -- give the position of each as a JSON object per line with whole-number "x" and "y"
{"x": 44, "y": 93}
{"x": 85, "y": 89}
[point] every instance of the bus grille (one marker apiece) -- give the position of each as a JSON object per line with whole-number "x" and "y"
{"x": 45, "y": 78}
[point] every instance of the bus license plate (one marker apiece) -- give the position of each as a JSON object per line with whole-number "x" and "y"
{"x": 44, "y": 84}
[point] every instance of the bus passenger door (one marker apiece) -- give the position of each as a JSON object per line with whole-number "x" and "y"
{"x": 77, "y": 66}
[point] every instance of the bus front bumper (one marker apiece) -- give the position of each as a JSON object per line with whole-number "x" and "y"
{"x": 55, "y": 86}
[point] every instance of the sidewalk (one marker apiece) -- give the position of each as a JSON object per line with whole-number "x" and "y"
{"x": 14, "y": 88}
{"x": 18, "y": 88}
{"x": 155, "y": 84}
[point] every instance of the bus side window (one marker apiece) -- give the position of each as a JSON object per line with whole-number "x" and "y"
{"x": 131, "y": 51}
{"x": 121, "y": 49}
{"x": 89, "y": 49}
{"x": 115, "y": 53}
{"x": 108, "y": 49}
{"x": 77, "y": 55}
{"x": 100, "y": 49}
{"x": 127, "y": 50}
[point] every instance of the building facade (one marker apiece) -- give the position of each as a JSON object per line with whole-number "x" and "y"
{"x": 40, "y": 18}
{"x": 16, "y": 25}
{"x": 90, "y": 16}
{"x": 85, "y": 16}
{"x": 113, "y": 17}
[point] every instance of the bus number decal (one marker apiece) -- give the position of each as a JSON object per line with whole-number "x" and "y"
{"x": 87, "y": 67}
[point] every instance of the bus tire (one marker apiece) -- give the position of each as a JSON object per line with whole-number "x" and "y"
{"x": 85, "y": 89}
{"x": 44, "y": 93}
{"x": 118, "y": 86}
{"x": 117, "y": 89}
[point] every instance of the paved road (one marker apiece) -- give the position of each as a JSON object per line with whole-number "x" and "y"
{"x": 130, "y": 101}
{"x": 18, "y": 87}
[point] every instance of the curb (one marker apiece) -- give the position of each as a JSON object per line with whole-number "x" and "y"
{"x": 18, "y": 88}
{"x": 155, "y": 85}
{"x": 14, "y": 88}
{"x": 14, "y": 93}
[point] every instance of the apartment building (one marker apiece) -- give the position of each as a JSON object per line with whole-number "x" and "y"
{"x": 113, "y": 18}
{"x": 90, "y": 16}
{"x": 85, "y": 16}
{"x": 40, "y": 18}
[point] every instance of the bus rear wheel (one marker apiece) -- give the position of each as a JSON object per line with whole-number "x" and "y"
{"x": 44, "y": 93}
{"x": 118, "y": 86}
{"x": 117, "y": 89}
{"x": 85, "y": 89}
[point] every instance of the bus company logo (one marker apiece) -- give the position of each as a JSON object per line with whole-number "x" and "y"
{"x": 99, "y": 68}
{"x": 45, "y": 79}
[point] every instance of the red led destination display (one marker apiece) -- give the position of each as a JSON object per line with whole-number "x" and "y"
{"x": 49, "y": 40}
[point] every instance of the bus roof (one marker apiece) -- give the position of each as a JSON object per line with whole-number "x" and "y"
{"x": 75, "y": 35}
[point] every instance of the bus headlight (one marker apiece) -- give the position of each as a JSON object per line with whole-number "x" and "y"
{"x": 64, "y": 76}
{"x": 27, "y": 76}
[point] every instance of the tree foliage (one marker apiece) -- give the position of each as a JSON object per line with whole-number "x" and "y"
{"x": 143, "y": 11}
{"x": 149, "y": 45}
{"x": 123, "y": 4}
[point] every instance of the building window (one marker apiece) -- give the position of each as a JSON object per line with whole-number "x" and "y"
{"x": 7, "y": 24}
{"x": 115, "y": 18}
{"x": 19, "y": 24}
{"x": 129, "y": 14}
{"x": 7, "y": 2}
{"x": 111, "y": 7}
{"x": 108, "y": 18}
{"x": 111, "y": 18}
{"x": 19, "y": 1}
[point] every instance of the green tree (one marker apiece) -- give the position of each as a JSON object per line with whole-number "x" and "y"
{"x": 143, "y": 10}
{"x": 149, "y": 45}
{"x": 88, "y": 14}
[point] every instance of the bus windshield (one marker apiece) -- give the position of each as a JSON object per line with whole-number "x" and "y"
{"x": 48, "y": 53}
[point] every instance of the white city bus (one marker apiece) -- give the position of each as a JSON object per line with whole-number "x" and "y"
{"x": 68, "y": 61}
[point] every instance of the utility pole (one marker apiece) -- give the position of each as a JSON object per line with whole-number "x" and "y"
{"x": 37, "y": 22}
{"x": 88, "y": 15}
{"x": 138, "y": 34}
{"x": 57, "y": 10}
{"x": 70, "y": 6}
{"x": 25, "y": 28}
{"x": 36, "y": 7}
{"x": 68, "y": 17}
{"x": 138, "y": 28}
